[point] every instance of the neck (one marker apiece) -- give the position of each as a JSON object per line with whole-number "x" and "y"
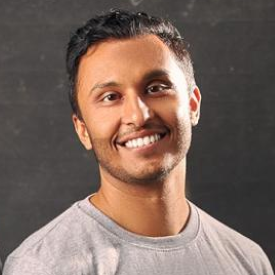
{"x": 154, "y": 210}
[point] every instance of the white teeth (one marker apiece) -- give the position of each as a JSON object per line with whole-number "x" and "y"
{"x": 146, "y": 140}
{"x": 134, "y": 143}
{"x": 139, "y": 142}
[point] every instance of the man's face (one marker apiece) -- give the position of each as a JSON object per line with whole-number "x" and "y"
{"x": 136, "y": 109}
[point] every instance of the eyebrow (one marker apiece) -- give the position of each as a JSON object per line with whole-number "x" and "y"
{"x": 146, "y": 77}
{"x": 104, "y": 85}
{"x": 154, "y": 74}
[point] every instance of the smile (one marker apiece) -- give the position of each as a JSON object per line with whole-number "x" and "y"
{"x": 144, "y": 141}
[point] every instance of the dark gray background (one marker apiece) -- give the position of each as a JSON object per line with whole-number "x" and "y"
{"x": 43, "y": 168}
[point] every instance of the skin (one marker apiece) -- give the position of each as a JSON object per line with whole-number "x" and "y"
{"x": 136, "y": 87}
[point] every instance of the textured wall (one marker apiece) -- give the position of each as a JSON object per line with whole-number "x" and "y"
{"x": 43, "y": 168}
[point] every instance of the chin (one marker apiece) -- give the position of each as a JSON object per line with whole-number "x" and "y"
{"x": 142, "y": 176}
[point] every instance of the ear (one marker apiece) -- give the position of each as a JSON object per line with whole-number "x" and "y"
{"x": 195, "y": 104}
{"x": 82, "y": 132}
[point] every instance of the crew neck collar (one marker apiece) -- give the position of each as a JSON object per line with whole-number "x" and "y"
{"x": 183, "y": 239}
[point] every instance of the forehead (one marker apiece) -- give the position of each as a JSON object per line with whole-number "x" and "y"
{"x": 140, "y": 46}
{"x": 125, "y": 60}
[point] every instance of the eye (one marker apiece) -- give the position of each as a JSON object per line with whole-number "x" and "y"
{"x": 156, "y": 88}
{"x": 110, "y": 97}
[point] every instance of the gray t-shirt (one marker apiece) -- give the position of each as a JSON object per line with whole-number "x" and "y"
{"x": 84, "y": 241}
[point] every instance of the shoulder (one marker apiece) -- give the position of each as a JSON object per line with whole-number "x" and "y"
{"x": 25, "y": 266}
{"x": 237, "y": 245}
{"x": 59, "y": 240}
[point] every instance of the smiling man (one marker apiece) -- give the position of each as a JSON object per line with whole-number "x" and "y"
{"x": 134, "y": 102}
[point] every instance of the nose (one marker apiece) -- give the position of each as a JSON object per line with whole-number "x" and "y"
{"x": 135, "y": 111}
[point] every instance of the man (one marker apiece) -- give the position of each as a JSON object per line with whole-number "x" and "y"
{"x": 134, "y": 101}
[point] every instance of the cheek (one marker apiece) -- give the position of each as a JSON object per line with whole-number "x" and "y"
{"x": 183, "y": 114}
{"x": 179, "y": 118}
{"x": 103, "y": 124}
{"x": 177, "y": 111}
{"x": 183, "y": 109}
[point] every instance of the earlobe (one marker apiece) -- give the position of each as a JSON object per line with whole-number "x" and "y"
{"x": 195, "y": 103}
{"x": 82, "y": 132}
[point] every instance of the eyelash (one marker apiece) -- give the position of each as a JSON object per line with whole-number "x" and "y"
{"x": 110, "y": 94}
{"x": 164, "y": 88}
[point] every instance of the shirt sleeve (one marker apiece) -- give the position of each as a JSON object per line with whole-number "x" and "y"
{"x": 25, "y": 266}
{"x": 262, "y": 263}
